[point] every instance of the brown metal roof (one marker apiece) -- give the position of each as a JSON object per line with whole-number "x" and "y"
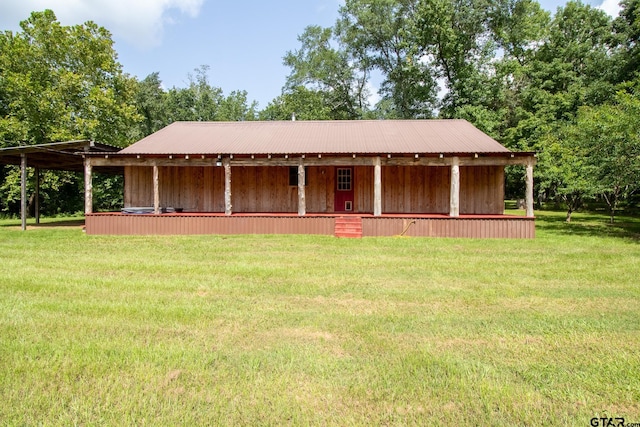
{"x": 318, "y": 137}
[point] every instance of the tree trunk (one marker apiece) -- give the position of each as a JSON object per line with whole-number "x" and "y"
{"x": 569, "y": 212}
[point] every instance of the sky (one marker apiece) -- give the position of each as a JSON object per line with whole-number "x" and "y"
{"x": 241, "y": 41}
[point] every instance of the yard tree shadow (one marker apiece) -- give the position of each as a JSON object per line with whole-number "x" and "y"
{"x": 52, "y": 223}
{"x": 589, "y": 224}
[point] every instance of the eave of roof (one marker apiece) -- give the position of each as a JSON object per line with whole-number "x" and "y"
{"x": 363, "y": 137}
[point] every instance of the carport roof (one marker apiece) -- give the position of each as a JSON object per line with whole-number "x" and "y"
{"x": 66, "y": 155}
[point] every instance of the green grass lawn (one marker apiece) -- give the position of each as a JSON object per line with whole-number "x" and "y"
{"x": 299, "y": 330}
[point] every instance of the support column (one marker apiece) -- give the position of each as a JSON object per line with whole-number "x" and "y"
{"x": 88, "y": 186}
{"x": 529, "y": 195}
{"x": 226, "y": 162}
{"x": 23, "y": 190}
{"x": 302, "y": 200}
{"x": 454, "y": 199}
{"x": 156, "y": 190}
{"x": 377, "y": 187}
{"x": 37, "y": 200}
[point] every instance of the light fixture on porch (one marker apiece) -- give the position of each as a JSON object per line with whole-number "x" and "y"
{"x": 219, "y": 161}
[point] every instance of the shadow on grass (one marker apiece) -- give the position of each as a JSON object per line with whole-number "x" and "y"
{"x": 52, "y": 223}
{"x": 588, "y": 224}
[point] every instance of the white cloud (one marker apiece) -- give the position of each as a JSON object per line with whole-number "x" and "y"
{"x": 611, "y": 7}
{"x": 139, "y": 22}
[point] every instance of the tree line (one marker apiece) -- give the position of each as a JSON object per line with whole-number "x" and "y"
{"x": 564, "y": 85}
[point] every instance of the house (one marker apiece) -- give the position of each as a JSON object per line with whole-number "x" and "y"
{"x": 384, "y": 177}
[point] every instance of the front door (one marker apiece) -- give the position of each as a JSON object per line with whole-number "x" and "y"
{"x": 344, "y": 190}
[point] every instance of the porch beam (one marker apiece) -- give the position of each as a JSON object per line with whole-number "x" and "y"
{"x": 156, "y": 190}
{"x": 377, "y": 187}
{"x": 454, "y": 205}
{"x": 529, "y": 195}
{"x": 88, "y": 186}
{"x": 302, "y": 201}
{"x": 112, "y": 160}
{"x": 23, "y": 190}
{"x": 227, "y": 186}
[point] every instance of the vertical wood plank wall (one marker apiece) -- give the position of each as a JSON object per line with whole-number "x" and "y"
{"x": 415, "y": 189}
{"x": 481, "y": 190}
{"x": 405, "y": 189}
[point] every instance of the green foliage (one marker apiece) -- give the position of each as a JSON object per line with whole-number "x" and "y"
{"x": 382, "y": 34}
{"x": 318, "y": 66}
{"x": 200, "y": 101}
{"x": 610, "y": 140}
{"x": 151, "y": 102}
{"x": 626, "y": 34}
{"x": 303, "y": 103}
{"x": 61, "y": 83}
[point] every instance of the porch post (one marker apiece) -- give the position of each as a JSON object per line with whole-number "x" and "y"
{"x": 227, "y": 186}
{"x": 454, "y": 205}
{"x": 156, "y": 190}
{"x": 88, "y": 186}
{"x": 37, "y": 201}
{"x": 377, "y": 187}
{"x": 23, "y": 190}
{"x": 302, "y": 201}
{"x": 529, "y": 195}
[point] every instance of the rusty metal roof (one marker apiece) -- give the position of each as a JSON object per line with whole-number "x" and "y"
{"x": 318, "y": 137}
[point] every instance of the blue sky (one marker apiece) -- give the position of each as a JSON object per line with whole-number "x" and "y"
{"x": 242, "y": 41}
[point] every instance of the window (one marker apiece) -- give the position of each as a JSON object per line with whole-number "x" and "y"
{"x": 293, "y": 176}
{"x": 344, "y": 179}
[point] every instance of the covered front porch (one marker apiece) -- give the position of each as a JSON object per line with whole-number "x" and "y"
{"x": 221, "y": 187}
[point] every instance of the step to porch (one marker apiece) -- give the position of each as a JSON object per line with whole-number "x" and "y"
{"x": 348, "y": 226}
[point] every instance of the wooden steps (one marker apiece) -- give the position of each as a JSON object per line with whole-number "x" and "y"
{"x": 348, "y": 226}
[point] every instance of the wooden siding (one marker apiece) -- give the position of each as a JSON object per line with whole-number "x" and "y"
{"x": 481, "y": 190}
{"x": 138, "y": 186}
{"x": 415, "y": 189}
{"x": 405, "y": 189}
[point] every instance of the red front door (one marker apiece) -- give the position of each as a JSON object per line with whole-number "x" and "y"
{"x": 344, "y": 190}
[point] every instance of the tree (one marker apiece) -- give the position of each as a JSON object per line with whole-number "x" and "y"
{"x": 610, "y": 138}
{"x": 626, "y": 32}
{"x": 201, "y": 101}
{"x": 150, "y": 100}
{"x": 563, "y": 169}
{"x": 303, "y": 103}
{"x": 383, "y": 35}
{"x": 61, "y": 83}
{"x": 318, "y": 66}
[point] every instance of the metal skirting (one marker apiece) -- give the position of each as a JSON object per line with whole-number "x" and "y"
{"x": 441, "y": 226}
{"x": 193, "y": 224}
{"x": 507, "y": 227}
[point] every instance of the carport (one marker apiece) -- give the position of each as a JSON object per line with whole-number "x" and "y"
{"x": 65, "y": 156}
